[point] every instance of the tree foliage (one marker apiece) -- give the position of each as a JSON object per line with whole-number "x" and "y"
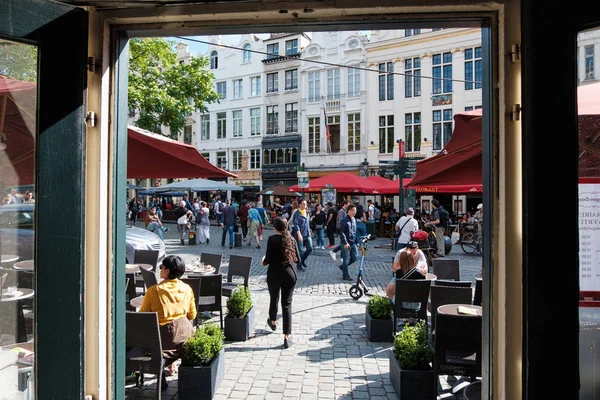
{"x": 162, "y": 90}
{"x": 19, "y": 61}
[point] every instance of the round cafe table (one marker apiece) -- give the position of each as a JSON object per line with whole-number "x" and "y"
{"x": 8, "y": 258}
{"x": 196, "y": 271}
{"x": 430, "y": 277}
{"x": 20, "y": 294}
{"x": 137, "y": 301}
{"x": 453, "y": 309}
{"x": 25, "y": 265}
{"x": 135, "y": 268}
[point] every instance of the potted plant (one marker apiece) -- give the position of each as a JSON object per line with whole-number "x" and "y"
{"x": 378, "y": 319}
{"x": 239, "y": 321}
{"x": 411, "y": 371}
{"x": 202, "y": 363}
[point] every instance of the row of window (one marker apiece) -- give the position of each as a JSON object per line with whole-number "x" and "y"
{"x": 270, "y": 157}
{"x": 441, "y": 128}
{"x": 291, "y": 48}
{"x": 441, "y": 73}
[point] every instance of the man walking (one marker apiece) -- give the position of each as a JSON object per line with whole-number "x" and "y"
{"x": 228, "y": 221}
{"x": 440, "y": 226}
{"x": 341, "y": 214}
{"x": 218, "y": 210}
{"x": 348, "y": 241}
{"x": 301, "y": 232}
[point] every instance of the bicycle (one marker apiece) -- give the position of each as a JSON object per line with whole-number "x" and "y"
{"x": 355, "y": 290}
{"x": 471, "y": 241}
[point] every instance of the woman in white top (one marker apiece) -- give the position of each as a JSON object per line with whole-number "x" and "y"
{"x": 406, "y": 225}
{"x": 204, "y": 224}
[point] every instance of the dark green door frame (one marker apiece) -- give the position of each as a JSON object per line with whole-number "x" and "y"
{"x": 60, "y": 32}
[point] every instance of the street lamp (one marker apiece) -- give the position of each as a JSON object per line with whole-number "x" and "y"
{"x": 364, "y": 169}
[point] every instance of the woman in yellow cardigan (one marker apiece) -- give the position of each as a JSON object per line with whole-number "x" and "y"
{"x": 173, "y": 301}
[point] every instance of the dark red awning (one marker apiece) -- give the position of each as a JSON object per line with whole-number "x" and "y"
{"x": 155, "y": 156}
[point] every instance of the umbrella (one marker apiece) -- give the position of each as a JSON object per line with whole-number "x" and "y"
{"x": 153, "y": 191}
{"x": 278, "y": 190}
{"x": 199, "y": 185}
{"x": 134, "y": 187}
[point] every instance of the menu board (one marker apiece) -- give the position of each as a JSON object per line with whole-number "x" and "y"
{"x": 589, "y": 237}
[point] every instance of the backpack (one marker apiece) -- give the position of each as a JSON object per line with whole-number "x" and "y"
{"x": 377, "y": 214}
{"x": 444, "y": 217}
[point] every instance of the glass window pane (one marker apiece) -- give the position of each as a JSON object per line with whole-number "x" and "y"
{"x": 18, "y": 87}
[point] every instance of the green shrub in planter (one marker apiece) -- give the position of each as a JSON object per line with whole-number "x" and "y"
{"x": 202, "y": 366}
{"x": 380, "y": 307}
{"x": 239, "y": 302}
{"x": 203, "y": 346}
{"x": 412, "y": 349}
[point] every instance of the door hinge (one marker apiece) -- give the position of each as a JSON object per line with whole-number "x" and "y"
{"x": 515, "y": 114}
{"x": 93, "y": 64}
{"x": 515, "y": 53}
{"x": 91, "y": 119}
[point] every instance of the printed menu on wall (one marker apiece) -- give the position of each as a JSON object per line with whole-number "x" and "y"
{"x": 589, "y": 237}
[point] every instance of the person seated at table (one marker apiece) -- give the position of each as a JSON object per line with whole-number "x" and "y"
{"x": 405, "y": 259}
{"x": 154, "y": 224}
{"x": 173, "y": 301}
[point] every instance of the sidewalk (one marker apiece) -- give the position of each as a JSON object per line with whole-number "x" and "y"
{"x": 332, "y": 358}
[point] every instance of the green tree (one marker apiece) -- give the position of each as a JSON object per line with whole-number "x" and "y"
{"x": 19, "y": 61}
{"x": 162, "y": 90}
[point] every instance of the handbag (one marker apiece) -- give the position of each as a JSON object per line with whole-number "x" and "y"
{"x": 455, "y": 237}
{"x": 182, "y": 220}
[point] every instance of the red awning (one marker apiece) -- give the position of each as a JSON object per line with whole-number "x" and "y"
{"x": 18, "y": 101}
{"x": 387, "y": 186}
{"x": 459, "y": 163}
{"x": 343, "y": 182}
{"x": 155, "y": 156}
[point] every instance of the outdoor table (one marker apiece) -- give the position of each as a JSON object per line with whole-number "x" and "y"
{"x": 8, "y": 258}
{"x": 453, "y": 309}
{"x": 20, "y": 294}
{"x": 25, "y": 361}
{"x": 137, "y": 302}
{"x": 25, "y": 265}
{"x": 430, "y": 277}
{"x": 193, "y": 271}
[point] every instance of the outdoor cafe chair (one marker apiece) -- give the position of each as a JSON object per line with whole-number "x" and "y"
{"x": 239, "y": 267}
{"x": 449, "y": 282}
{"x": 210, "y": 295}
{"x": 149, "y": 277}
{"x": 143, "y": 348}
{"x": 441, "y": 295}
{"x": 446, "y": 269}
{"x": 411, "y": 291}
{"x": 212, "y": 259}
{"x": 457, "y": 346}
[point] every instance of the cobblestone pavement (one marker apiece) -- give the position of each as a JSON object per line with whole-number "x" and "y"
{"x": 332, "y": 357}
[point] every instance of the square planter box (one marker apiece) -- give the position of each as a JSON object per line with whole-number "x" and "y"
{"x": 239, "y": 329}
{"x": 379, "y": 330}
{"x": 411, "y": 385}
{"x": 201, "y": 382}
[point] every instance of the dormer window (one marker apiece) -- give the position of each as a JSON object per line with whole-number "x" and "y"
{"x": 214, "y": 60}
{"x": 246, "y": 55}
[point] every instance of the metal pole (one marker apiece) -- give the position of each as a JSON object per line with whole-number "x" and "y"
{"x": 401, "y": 199}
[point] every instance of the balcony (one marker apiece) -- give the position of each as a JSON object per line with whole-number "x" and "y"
{"x": 276, "y": 59}
{"x": 333, "y": 106}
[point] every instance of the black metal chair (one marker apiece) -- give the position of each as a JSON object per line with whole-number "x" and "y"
{"x": 446, "y": 269}
{"x": 149, "y": 277}
{"x": 457, "y": 346}
{"x": 210, "y": 295}
{"x": 477, "y": 297}
{"x": 239, "y": 266}
{"x": 212, "y": 259}
{"x": 146, "y": 257}
{"x": 144, "y": 348}
{"x": 411, "y": 291}
{"x": 441, "y": 295}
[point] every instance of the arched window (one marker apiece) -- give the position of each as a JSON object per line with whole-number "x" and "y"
{"x": 295, "y": 155}
{"x": 266, "y": 157}
{"x": 287, "y": 154}
{"x": 247, "y": 56}
{"x": 214, "y": 60}
{"x": 279, "y": 156}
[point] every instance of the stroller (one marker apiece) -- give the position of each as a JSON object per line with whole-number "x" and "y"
{"x": 356, "y": 291}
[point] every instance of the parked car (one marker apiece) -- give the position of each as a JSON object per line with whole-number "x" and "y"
{"x": 17, "y": 234}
